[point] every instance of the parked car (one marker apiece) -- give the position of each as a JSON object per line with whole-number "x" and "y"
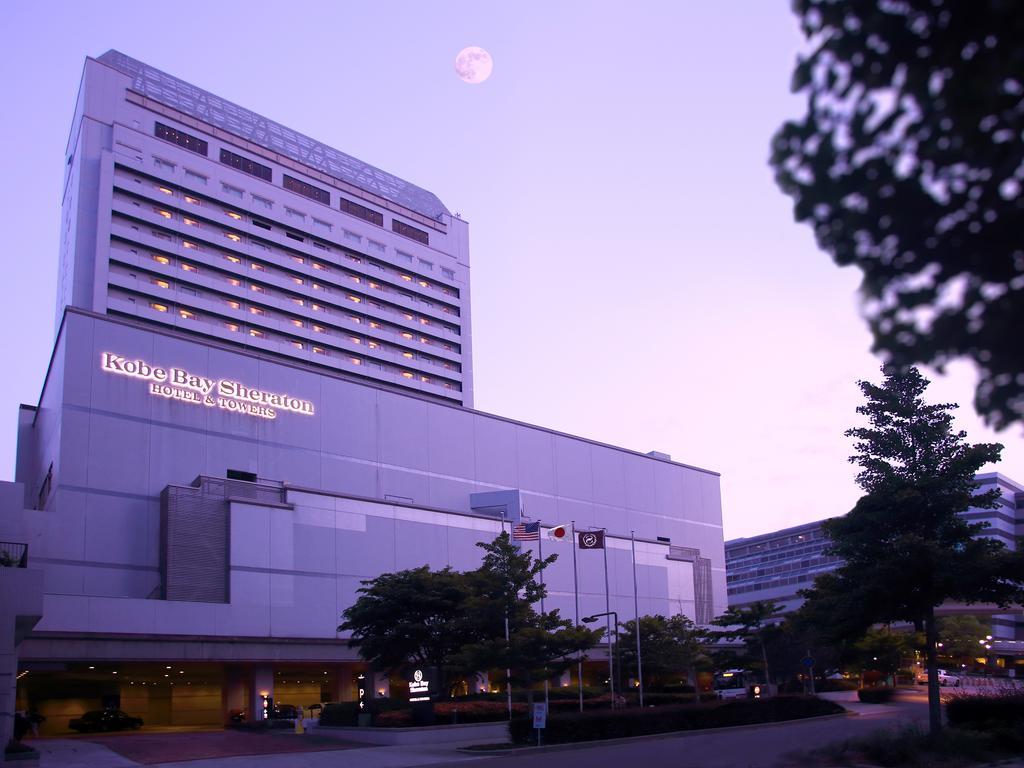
{"x": 104, "y": 720}
{"x": 285, "y": 712}
{"x": 945, "y": 678}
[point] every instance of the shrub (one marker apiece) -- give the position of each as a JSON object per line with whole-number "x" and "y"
{"x": 986, "y": 711}
{"x": 342, "y": 713}
{"x": 605, "y": 724}
{"x": 911, "y": 747}
{"x": 877, "y": 695}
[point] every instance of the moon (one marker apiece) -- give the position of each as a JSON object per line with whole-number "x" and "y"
{"x": 473, "y": 65}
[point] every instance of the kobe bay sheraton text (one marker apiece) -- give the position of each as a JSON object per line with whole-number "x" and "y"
{"x": 229, "y": 395}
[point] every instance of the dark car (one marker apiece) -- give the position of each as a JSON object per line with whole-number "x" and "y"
{"x": 285, "y": 712}
{"x": 104, "y": 720}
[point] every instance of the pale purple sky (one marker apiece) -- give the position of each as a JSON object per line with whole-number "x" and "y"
{"x": 636, "y": 276}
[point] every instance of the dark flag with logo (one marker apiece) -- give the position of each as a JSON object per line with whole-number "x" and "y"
{"x": 591, "y": 539}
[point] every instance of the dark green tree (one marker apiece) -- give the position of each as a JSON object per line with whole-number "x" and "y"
{"x": 506, "y": 587}
{"x": 671, "y": 649}
{"x": 905, "y": 545}
{"x": 750, "y": 625}
{"x": 908, "y": 165}
{"x": 959, "y": 636}
{"x": 414, "y": 616}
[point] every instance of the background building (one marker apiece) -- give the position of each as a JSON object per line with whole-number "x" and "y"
{"x": 776, "y": 566}
{"x": 212, "y": 468}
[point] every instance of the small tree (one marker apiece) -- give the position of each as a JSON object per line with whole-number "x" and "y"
{"x": 418, "y": 616}
{"x": 505, "y": 588}
{"x": 670, "y": 648}
{"x": 750, "y": 625}
{"x": 959, "y": 636}
{"x": 906, "y": 548}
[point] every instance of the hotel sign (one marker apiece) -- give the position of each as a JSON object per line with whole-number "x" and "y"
{"x": 225, "y": 394}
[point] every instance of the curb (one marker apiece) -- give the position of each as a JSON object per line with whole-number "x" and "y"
{"x": 527, "y": 750}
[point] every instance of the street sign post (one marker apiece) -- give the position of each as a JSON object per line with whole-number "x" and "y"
{"x": 540, "y": 718}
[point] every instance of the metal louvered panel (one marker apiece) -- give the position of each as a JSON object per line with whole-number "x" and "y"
{"x": 702, "y": 591}
{"x": 195, "y": 546}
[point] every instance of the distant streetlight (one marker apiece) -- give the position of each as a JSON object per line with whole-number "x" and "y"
{"x": 612, "y": 643}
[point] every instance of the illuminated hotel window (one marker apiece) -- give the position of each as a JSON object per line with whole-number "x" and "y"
{"x": 424, "y": 340}
{"x": 193, "y": 200}
{"x": 192, "y": 222}
{"x": 255, "y": 333}
{"x": 356, "y": 299}
{"x": 161, "y": 283}
{"x": 319, "y": 350}
{"x": 406, "y": 277}
{"x": 186, "y": 315}
{"x": 297, "y": 344}
{"x": 182, "y": 139}
{"x": 159, "y": 307}
{"x": 230, "y": 190}
{"x": 406, "y": 335}
{"x": 300, "y": 302}
{"x": 373, "y": 345}
{"x": 190, "y": 245}
{"x": 355, "y": 278}
{"x": 408, "y": 355}
{"x": 233, "y": 237}
{"x": 198, "y": 178}
{"x": 318, "y": 265}
{"x": 256, "y": 311}
{"x": 258, "y": 267}
{"x": 425, "y": 321}
{"x": 376, "y": 325}
{"x": 356, "y": 361}
{"x": 318, "y": 328}
{"x": 424, "y": 283}
{"x": 353, "y": 259}
{"x": 233, "y": 215}
{"x": 317, "y": 308}
{"x": 298, "y": 259}
{"x": 161, "y": 259}
{"x": 190, "y": 267}
{"x": 407, "y": 316}
{"x": 245, "y": 165}
{"x": 297, "y": 323}
{"x": 407, "y": 374}
{"x": 235, "y": 282}
{"x": 258, "y": 288}
{"x": 298, "y": 281}
{"x": 375, "y": 285}
{"x": 425, "y": 379}
{"x": 162, "y": 212}
{"x": 233, "y": 304}
{"x": 165, "y": 190}
{"x": 355, "y": 339}
{"x": 231, "y": 327}
{"x": 318, "y": 287}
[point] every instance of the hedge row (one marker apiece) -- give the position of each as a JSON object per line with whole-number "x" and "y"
{"x": 878, "y": 694}
{"x": 972, "y": 711}
{"x": 565, "y": 728}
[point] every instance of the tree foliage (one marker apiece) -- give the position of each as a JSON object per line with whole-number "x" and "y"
{"x": 906, "y": 547}
{"x": 750, "y": 624}
{"x": 671, "y": 648}
{"x": 909, "y": 165}
{"x": 507, "y": 586}
{"x": 959, "y": 636}
{"x": 417, "y": 616}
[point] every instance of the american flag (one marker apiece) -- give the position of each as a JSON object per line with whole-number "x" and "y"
{"x": 526, "y": 531}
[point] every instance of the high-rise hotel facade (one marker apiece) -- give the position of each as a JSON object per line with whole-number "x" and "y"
{"x": 260, "y": 394}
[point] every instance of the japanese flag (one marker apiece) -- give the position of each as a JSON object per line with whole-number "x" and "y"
{"x": 559, "y": 532}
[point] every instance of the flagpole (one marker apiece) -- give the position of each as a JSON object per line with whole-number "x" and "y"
{"x": 608, "y": 614}
{"x": 540, "y": 557}
{"x": 508, "y": 672}
{"x": 576, "y": 591}
{"x": 636, "y": 610}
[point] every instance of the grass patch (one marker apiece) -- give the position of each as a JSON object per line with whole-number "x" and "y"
{"x": 911, "y": 747}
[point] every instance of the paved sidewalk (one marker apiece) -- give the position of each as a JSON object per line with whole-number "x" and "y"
{"x": 75, "y": 753}
{"x": 367, "y": 757}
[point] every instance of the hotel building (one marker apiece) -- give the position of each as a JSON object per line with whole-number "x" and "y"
{"x": 260, "y": 395}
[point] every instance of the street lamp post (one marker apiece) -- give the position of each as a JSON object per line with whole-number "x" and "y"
{"x": 612, "y": 642}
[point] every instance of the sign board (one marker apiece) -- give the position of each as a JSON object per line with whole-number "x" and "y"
{"x": 540, "y": 715}
{"x": 361, "y": 687}
{"x": 225, "y": 394}
{"x": 807, "y": 661}
{"x": 419, "y": 687}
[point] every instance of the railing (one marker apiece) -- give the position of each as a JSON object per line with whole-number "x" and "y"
{"x": 13, "y": 554}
